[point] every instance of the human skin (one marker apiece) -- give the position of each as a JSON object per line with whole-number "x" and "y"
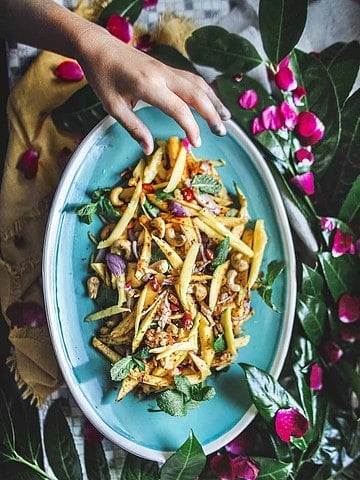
{"x": 119, "y": 74}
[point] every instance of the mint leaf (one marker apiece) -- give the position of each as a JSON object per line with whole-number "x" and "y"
{"x": 201, "y": 392}
{"x": 86, "y": 212}
{"x": 121, "y": 368}
{"x": 206, "y": 184}
{"x": 275, "y": 268}
{"x": 219, "y": 343}
{"x": 161, "y": 195}
{"x": 221, "y": 252}
{"x": 183, "y": 385}
{"x": 172, "y": 402}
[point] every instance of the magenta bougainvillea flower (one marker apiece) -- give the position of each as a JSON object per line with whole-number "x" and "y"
{"x": 69, "y": 70}
{"x": 327, "y": 224}
{"x": 238, "y": 445}
{"x": 150, "y": 3}
{"x": 285, "y": 78}
{"x": 343, "y": 243}
{"x": 298, "y": 94}
{"x": 331, "y": 352}
{"x": 305, "y": 182}
{"x": 304, "y": 156}
{"x": 257, "y": 126}
{"x": 227, "y": 467}
{"x": 316, "y": 377}
{"x": 289, "y": 422}
{"x": 310, "y": 129}
{"x": 248, "y": 99}
{"x": 272, "y": 118}
{"x": 349, "y": 308}
{"x": 29, "y": 163}
{"x": 26, "y": 314}
{"x": 90, "y": 433}
{"x": 350, "y": 332}
{"x": 289, "y": 114}
{"x": 120, "y": 27}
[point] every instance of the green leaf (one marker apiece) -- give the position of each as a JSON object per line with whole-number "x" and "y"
{"x": 321, "y": 99}
{"x": 7, "y": 433}
{"x": 86, "y": 212}
{"x": 95, "y": 461}
{"x": 172, "y": 402}
{"x": 281, "y": 25}
{"x": 59, "y": 445}
{"x": 122, "y": 368}
{"x": 136, "y": 468}
{"x": 351, "y": 205}
{"x": 129, "y": 9}
{"x": 221, "y": 252}
{"x": 215, "y": 47}
{"x": 312, "y": 281}
{"x": 106, "y": 297}
{"x": 206, "y": 184}
{"x": 186, "y": 463}
{"x": 341, "y": 273}
{"x": 219, "y": 343}
{"x": 342, "y": 62}
{"x": 272, "y": 469}
{"x": 266, "y": 393}
{"x": 172, "y": 57}
{"x": 311, "y": 312}
{"x": 183, "y": 385}
{"x": 274, "y": 269}
{"x": 80, "y": 113}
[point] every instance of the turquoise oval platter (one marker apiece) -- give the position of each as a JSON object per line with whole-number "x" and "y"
{"x": 130, "y": 424}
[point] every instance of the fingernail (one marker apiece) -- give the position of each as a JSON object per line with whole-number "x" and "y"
{"x": 224, "y": 113}
{"x": 146, "y": 148}
{"x": 197, "y": 142}
{"x": 218, "y": 129}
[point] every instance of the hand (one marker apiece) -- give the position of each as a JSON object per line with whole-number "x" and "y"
{"x": 121, "y": 75}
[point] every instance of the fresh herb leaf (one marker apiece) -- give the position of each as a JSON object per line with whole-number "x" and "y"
{"x": 161, "y": 195}
{"x": 150, "y": 208}
{"x": 106, "y": 297}
{"x": 219, "y": 343}
{"x": 275, "y": 268}
{"x": 172, "y": 402}
{"x": 206, "y": 184}
{"x": 123, "y": 367}
{"x": 86, "y": 212}
{"x": 221, "y": 252}
{"x": 100, "y": 205}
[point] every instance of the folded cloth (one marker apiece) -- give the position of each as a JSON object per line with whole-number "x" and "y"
{"x": 24, "y": 207}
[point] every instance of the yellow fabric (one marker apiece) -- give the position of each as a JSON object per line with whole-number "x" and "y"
{"x": 24, "y": 205}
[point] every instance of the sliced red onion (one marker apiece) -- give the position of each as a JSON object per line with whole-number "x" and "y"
{"x": 205, "y": 200}
{"x": 177, "y": 210}
{"x": 116, "y": 264}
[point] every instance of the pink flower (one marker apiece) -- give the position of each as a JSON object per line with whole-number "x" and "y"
{"x": 285, "y": 79}
{"x": 342, "y": 243}
{"x": 229, "y": 468}
{"x": 316, "y": 377}
{"x": 237, "y": 446}
{"x": 26, "y": 314}
{"x": 69, "y": 70}
{"x": 349, "y": 332}
{"x": 327, "y": 224}
{"x": 304, "y": 182}
{"x": 257, "y": 126}
{"x": 304, "y": 156}
{"x": 290, "y": 115}
{"x": 349, "y": 308}
{"x": 298, "y": 94}
{"x": 120, "y": 27}
{"x": 289, "y": 422}
{"x": 150, "y": 3}
{"x": 331, "y": 352}
{"x": 272, "y": 118}
{"x": 29, "y": 163}
{"x": 309, "y": 128}
{"x": 248, "y": 99}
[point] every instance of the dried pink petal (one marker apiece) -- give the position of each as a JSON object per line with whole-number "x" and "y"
{"x": 29, "y": 163}
{"x": 309, "y": 128}
{"x": 342, "y": 243}
{"x": 223, "y": 467}
{"x": 257, "y": 126}
{"x": 272, "y": 118}
{"x": 304, "y": 155}
{"x": 327, "y": 224}
{"x": 26, "y": 314}
{"x": 350, "y": 332}
{"x": 285, "y": 62}
{"x": 150, "y": 3}
{"x": 331, "y": 352}
{"x": 285, "y": 79}
{"x": 290, "y": 115}
{"x": 305, "y": 182}
{"x": 316, "y": 377}
{"x": 69, "y": 70}
{"x": 245, "y": 468}
{"x": 248, "y": 99}
{"x": 298, "y": 94}
{"x": 238, "y": 445}
{"x": 349, "y": 308}
{"x": 289, "y": 422}
{"x": 120, "y": 27}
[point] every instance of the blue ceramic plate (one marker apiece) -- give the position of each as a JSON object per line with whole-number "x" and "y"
{"x": 107, "y": 151}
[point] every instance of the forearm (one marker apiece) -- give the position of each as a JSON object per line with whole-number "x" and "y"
{"x": 43, "y": 24}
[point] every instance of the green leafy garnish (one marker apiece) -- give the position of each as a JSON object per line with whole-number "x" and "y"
{"x": 206, "y": 184}
{"x": 184, "y": 396}
{"x": 219, "y": 343}
{"x": 123, "y": 367}
{"x": 99, "y": 205}
{"x": 264, "y": 289}
{"x": 221, "y": 252}
{"x": 150, "y": 208}
{"x": 161, "y": 195}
